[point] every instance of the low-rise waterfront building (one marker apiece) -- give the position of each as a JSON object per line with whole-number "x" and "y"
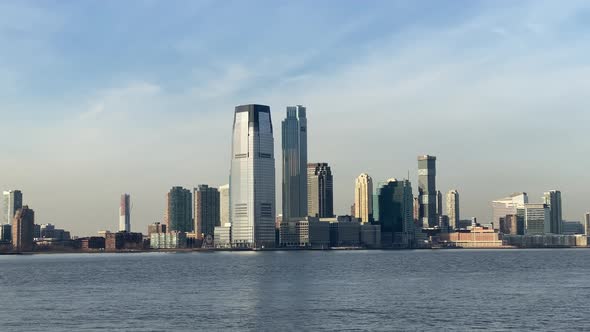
{"x": 370, "y": 236}
{"x": 222, "y": 236}
{"x": 123, "y": 241}
{"x": 476, "y": 237}
{"x": 169, "y": 240}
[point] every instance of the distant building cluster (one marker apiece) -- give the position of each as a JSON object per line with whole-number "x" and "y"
{"x": 242, "y": 214}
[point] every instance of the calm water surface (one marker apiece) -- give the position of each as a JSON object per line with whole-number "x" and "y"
{"x": 462, "y": 290}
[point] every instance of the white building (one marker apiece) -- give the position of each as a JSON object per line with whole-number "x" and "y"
{"x": 252, "y": 178}
{"x": 224, "y": 204}
{"x": 506, "y": 206}
{"x": 363, "y": 198}
{"x": 13, "y": 200}
{"x": 222, "y": 236}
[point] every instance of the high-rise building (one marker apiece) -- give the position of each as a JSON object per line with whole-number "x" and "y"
{"x": 13, "y": 201}
{"x": 587, "y": 223}
{"x": 507, "y": 206}
{"x": 179, "y": 212}
{"x": 252, "y": 178}
{"x": 125, "y": 213}
{"x": 363, "y": 198}
{"x": 224, "y": 211}
{"x": 395, "y": 213}
{"x": 439, "y": 203}
{"x": 537, "y": 218}
{"x": 453, "y": 208}
{"x": 294, "y": 145}
{"x": 553, "y": 200}
{"x": 427, "y": 190}
{"x": 22, "y": 229}
{"x": 206, "y": 210}
{"x": 320, "y": 190}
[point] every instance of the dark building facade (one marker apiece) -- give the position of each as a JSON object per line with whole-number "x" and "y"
{"x": 22, "y": 229}
{"x": 320, "y": 195}
{"x": 179, "y": 212}
{"x": 395, "y": 212}
{"x": 294, "y": 145}
{"x": 427, "y": 194}
{"x": 206, "y": 210}
{"x": 123, "y": 241}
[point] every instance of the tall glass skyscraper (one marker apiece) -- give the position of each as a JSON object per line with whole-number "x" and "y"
{"x": 294, "y": 144}
{"x": 13, "y": 201}
{"x": 320, "y": 190}
{"x": 179, "y": 211}
{"x": 396, "y": 212}
{"x": 206, "y": 210}
{"x": 553, "y": 200}
{"x": 427, "y": 195}
{"x": 125, "y": 213}
{"x": 252, "y": 178}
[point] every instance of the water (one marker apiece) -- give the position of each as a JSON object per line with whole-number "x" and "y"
{"x": 524, "y": 290}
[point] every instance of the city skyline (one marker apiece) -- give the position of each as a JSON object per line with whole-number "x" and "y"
{"x": 485, "y": 101}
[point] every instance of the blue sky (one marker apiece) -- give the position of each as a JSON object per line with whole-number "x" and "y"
{"x": 104, "y": 97}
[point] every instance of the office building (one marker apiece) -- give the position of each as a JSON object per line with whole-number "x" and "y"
{"x": 294, "y": 146}
{"x": 22, "y": 229}
{"x": 125, "y": 213}
{"x": 427, "y": 195}
{"x": 439, "y": 203}
{"x": 179, "y": 211}
{"x": 156, "y": 228}
{"x": 572, "y": 227}
{"x": 476, "y": 237}
{"x": 587, "y": 223}
{"x": 168, "y": 240}
{"x": 453, "y": 208}
{"x": 206, "y": 210}
{"x": 224, "y": 210}
{"x": 363, "y": 198}
{"x": 344, "y": 232}
{"x": 537, "y": 218}
{"x": 5, "y": 232}
{"x": 222, "y": 236}
{"x": 252, "y": 178}
{"x": 395, "y": 212}
{"x": 320, "y": 190}
{"x": 512, "y": 224}
{"x": 553, "y": 200}
{"x": 13, "y": 201}
{"x": 507, "y": 206}
{"x": 370, "y": 235}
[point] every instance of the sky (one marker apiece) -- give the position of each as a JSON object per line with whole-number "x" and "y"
{"x": 99, "y": 98}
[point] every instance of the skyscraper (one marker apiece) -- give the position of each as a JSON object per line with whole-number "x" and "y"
{"x": 224, "y": 204}
{"x": 439, "y": 203}
{"x": 294, "y": 145}
{"x": 13, "y": 200}
{"x": 206, "y": 210}
{"x": 508, "y": 206}
{"x": 587, "y": 223}
{"x": 553, "y": 200}
{"x": 22, "y": 229}
{"x": 396, "y": 211}
{"x": 125, "y": 213}
{"x": 427, "y": 190}
{"x": 537, "y": 218}
{"x": 252, "y": 178}
{"x": 320, "y": 190}
{"x": 179, "y": 212}
{"x": 363, "y": 198}
{"x": 453, "y": 208}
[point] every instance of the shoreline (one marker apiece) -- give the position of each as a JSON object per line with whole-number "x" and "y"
{"x": 213, "y": 250}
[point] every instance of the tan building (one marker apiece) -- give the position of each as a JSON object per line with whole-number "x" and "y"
{"x": 453, "y": 208}
{"x": 476, "y": 237}
{"x": 22, "y": 229}
{"x": 363, "y": 198}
